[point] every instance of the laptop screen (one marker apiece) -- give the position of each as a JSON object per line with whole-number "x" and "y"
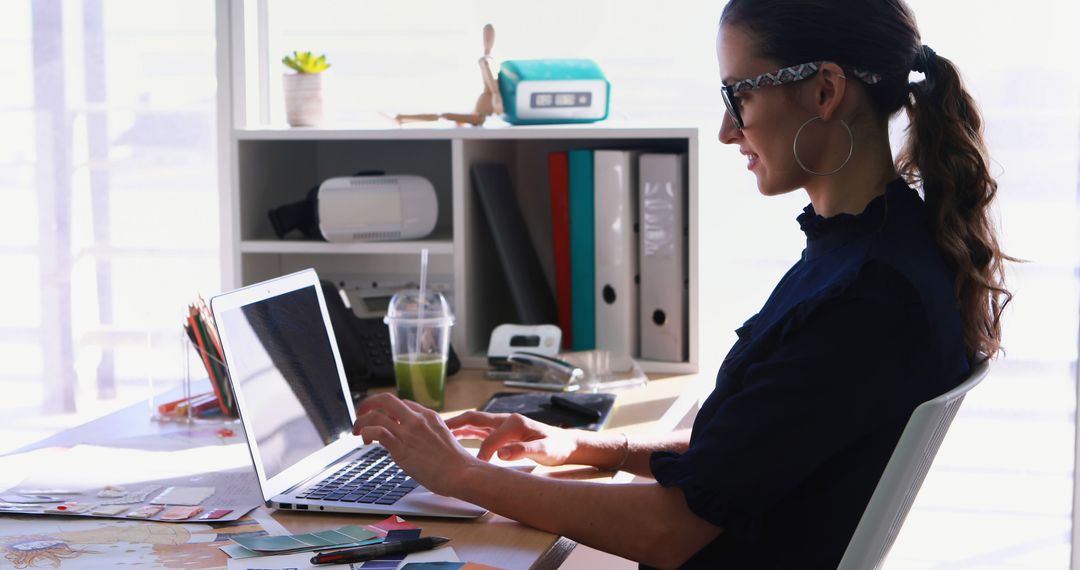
{"x": 281, "y": 359}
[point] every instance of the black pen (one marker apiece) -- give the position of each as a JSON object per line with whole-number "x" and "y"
{"x": 572, "y": 406}
{"x": 372, "y": 551}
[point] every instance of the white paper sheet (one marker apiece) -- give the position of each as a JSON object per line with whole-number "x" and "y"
{"x": 94, "y": 466}
{"x": 89, "y": 468}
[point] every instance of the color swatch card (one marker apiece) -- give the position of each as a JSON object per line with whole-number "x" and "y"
{"x": 339, "y": 537}
{"x": 376, "y": 531}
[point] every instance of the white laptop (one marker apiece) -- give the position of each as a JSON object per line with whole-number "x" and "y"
{"x": 296, "y": 409}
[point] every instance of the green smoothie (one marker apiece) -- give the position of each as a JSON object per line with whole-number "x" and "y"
{"x": 421, "y": 379}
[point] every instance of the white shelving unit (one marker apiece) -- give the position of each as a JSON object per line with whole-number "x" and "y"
{"x": 272, "y": 167}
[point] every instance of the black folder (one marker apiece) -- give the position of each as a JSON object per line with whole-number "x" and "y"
{"x": 533, "y": 301}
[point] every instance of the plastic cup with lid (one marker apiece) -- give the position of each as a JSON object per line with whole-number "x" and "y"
{"x": 420, "y": 345}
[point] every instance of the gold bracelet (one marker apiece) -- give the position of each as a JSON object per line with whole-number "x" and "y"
{"x": 626, "y": 453}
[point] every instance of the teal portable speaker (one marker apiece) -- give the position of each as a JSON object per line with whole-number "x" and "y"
{"x": 551, "y": 91}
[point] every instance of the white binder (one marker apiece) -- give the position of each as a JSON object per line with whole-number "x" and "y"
{"x": 615, "y": 182}
{"x": 664, "y": 280}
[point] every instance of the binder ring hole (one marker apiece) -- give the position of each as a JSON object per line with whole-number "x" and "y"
{"x": 609, "y": 294}
{"x": 659, "y": 317}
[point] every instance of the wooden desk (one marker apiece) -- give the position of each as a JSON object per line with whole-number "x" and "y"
{"x": 491, "y": 539}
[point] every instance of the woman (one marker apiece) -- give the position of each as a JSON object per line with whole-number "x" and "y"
{"x": 892, "y": 300}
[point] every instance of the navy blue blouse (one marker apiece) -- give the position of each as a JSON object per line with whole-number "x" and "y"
{"x": 812, "y": 398}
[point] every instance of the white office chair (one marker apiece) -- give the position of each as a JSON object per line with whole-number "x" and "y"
{"x": 904, "y": 474}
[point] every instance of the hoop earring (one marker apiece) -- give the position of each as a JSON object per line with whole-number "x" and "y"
{"x": 795, "y": 148}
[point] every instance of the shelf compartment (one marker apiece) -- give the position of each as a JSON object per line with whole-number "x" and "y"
{"x": 272, "y": 173}
{"x": 434, "y": 247}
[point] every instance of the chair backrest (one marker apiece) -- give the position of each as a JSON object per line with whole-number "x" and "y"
{"x": 904, "y": 474}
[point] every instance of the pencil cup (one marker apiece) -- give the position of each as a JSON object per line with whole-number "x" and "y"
{"x": 419, "y": 345}
{"x": 195, "y": 401}
{"x": 167, "y": 405}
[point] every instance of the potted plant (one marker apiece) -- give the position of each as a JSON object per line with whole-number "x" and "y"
{"x": 303, "y": 89}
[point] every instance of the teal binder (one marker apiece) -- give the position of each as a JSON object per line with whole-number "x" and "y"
{"x": 582, "y": 250}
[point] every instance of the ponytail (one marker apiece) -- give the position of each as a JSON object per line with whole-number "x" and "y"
{"x": 946, "y": 154}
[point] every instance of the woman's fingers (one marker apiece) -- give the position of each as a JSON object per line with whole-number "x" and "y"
{"x": 471, "y": 433}
{"x": 417, "y": 438}
{"x": 537, "y": 450}
{"x": 382, "y": 435}
{"x": 513, "y": 429}
{"x": 520, "y": 450}
{"x": 383, "y": 400}
{"x": 375, "y": 419}
{"x": 477, "y": 419}
{"x": 417, "y": 408}
{"x": 389, "y": 405}
{"x": 373, "y": 401}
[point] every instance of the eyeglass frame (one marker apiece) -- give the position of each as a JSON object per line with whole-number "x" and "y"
{"x": 784, "y": 75}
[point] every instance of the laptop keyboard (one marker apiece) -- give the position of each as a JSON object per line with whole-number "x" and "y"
{"x": 373, "y": 478}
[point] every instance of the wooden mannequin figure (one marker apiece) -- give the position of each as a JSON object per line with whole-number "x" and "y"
{"x": 490, "y": 101}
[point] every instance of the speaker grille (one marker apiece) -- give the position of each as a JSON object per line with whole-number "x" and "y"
{"x": 373, "y": 236}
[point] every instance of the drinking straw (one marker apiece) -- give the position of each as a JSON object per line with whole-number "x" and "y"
{"x": 420, "y": 304}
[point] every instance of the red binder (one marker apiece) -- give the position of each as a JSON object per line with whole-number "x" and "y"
{"x": 559, "y": 185}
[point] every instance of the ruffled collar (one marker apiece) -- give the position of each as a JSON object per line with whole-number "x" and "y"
{"x": 825, "y": 234}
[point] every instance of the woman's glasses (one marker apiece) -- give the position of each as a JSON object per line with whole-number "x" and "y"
{"x": 785, "y": 75}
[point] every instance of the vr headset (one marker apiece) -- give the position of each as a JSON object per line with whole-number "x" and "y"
{"x": 368, "y": 206}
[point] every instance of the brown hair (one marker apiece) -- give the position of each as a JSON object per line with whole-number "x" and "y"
{"x": 944, "y": 153}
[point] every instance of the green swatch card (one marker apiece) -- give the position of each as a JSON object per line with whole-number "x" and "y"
{"x": 346, "y": 536}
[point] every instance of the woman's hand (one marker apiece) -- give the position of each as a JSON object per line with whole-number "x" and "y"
{"x": 417, "y": 439}
{"x": 513, "y": 436}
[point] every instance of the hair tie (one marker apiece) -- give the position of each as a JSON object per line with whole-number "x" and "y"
{"x": 922, "y": 59}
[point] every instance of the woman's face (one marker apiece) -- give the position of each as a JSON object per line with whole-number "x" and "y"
{"x": 770, "y": 115}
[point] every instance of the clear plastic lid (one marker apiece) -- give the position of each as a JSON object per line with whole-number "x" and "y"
{"x": 405, "y": 306}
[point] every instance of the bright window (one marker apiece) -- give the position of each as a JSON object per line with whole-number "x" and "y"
{"x": 108, "y": 173}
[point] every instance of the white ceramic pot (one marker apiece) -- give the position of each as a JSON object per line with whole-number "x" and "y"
{"x": 303, "y": 99}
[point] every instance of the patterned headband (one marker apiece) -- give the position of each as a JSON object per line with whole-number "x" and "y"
{"x": 798, "y": 73}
